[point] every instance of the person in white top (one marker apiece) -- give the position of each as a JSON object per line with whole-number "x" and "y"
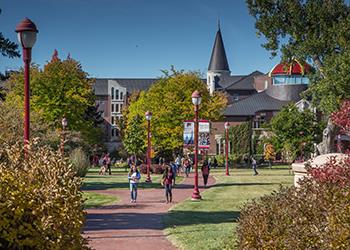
{"x": 134, "y": 177}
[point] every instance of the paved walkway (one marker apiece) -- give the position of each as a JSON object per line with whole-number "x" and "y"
{"x": 135, "y": 225}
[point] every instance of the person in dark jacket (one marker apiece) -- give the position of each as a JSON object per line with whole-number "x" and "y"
{"x": 205, "y": 172}
{"x": 167, "y": 181}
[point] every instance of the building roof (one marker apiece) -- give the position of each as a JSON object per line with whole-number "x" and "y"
{"x": 293, "y": 68}
{"x": 131, "y": 84}
{"x": 218, "y": 60}
{"x": 245, "y": 82}
{"x": 254, "y": 103}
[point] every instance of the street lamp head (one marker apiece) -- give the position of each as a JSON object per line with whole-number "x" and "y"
{"x": 64, "y": 122}
{"x": 26, "y": 33}
{"x": 227, "y": 125}
{"x": 196, "y": 98}
{"x": 148, "y": 115}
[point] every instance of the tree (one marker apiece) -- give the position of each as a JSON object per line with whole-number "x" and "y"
{"x": 8, "y": 48}
{"x": 312, "y": 30}
{"x": 240, "y": 137}
{"x": 169, "y": 99}
{"x": 134, "y": 139}
{"x": 61, "y": 89}
{"x": 294, "y": 130}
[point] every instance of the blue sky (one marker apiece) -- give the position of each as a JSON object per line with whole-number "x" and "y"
{"x": 137, "y": 38}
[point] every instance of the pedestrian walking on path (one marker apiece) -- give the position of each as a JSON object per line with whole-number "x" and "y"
{"x": 254, "y": 166}
{"x": 205, "y": 172}
{"x": 168, "y": 180}
{"x": 134, "y": 177}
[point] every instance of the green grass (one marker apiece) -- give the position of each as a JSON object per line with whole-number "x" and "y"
{"x": 97, "y": 200}
{"x": 119, "y": 180}
{"x": 211, "y": 223}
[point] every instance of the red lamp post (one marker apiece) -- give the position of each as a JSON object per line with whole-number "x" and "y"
{"x": 196, "y": 100}
{"x": 227, "y": 126}
{"x": 27, "y": 32}
{"x": 148, "y": 115}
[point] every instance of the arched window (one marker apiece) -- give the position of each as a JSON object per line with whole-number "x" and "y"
{"x": 121, "y": 95}
{"x": 117, "y": 94}
{"x": 112, "y": 91}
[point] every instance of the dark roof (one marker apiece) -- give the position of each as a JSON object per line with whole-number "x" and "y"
{"x": 244, "y": 83}
{"x": 218, "y": 60}
{"x": 254, "y": 103}
{"x": 226, "y": 81}
{"x": 131, "y": 84}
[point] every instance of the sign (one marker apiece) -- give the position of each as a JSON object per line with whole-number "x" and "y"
{"x": 203, "y": 133}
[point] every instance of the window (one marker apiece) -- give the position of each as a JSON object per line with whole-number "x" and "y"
{"x": 117, "y": 94}
{"x": 235, "y": 97}
{"x": 121, "y": 107}
{"x": 112, "y": 132}
{"x": 112, "y": 120}
{"x": 121, "y": 95}
{"x": 116, "y": 132}
{"x": 112, "y": 107}
{"x": 112, "y": 91}
{"x": 117, "y": 108}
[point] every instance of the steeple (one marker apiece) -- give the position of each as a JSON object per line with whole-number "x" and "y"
{"x": 218, "y": 60}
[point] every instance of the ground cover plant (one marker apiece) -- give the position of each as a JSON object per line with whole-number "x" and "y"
{"x": 211, "y": 223}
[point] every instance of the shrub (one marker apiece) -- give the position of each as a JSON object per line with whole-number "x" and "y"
{"x": 79, "y": 161}
{"x": 41, "y": 205}
{"x": 314, "y": 216}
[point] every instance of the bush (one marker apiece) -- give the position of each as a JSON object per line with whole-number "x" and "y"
{"x": 314, "y": 216}
{"x": 79, "y": 161}
{"x": 41, "y": 205}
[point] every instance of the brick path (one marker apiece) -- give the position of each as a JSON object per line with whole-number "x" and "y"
{"x": 135, "y": 225}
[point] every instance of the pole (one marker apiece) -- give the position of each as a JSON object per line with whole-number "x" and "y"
{"x": 148, "y": 151}
{"x": 226, "y": 149}
{"x": 26, "y": 60}
{"x": 195, "y": 194}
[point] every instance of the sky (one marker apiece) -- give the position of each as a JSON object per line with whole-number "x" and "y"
{"x": 137, "y": 38}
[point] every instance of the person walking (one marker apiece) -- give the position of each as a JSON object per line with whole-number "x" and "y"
{"x": 173, "y": 167}
{"x": 134, "y": 177}
{"x": 168, "y": 181}
{"x": 205, "y": 172}
{"x": 187, "y": 166}
{"x": 254, "y": 166}
{"x": 107, "y": 163}
{"x": 178, "y": 163}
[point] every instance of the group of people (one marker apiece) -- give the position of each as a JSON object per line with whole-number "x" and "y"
{"x": 104, "y": 162}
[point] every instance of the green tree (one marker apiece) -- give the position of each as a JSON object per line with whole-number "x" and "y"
{"x": 8, "y": 48}
{"x": 169, "y": 99}
{"x": 294, "y": 130}
{"x": 240, "y": 137}
{"x": 316, "y": 31}
{"x": 135, "y": 134}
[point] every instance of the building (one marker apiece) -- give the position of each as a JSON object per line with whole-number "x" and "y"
{"x": 255, "y": 97}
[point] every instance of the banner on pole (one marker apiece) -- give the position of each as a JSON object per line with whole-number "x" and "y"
{"x": 203, "y": 133}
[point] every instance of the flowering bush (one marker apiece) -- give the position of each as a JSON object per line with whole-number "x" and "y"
{"x": 314, "y": 216}
{"x": 342, "y": 117}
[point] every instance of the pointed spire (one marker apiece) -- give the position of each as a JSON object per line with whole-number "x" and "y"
{"x": 68, "y": 56}
{"x": 218, "y": 60}
{"x": 219, "y": 24}
{"x": 54, "y": 57}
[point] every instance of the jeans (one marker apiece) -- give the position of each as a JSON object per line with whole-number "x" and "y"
{"x": 205, "y": 178}
{"x": 187, "y": 171}
{"x": 168, "y": 192}
{"x": 254, "y": 169}
{"x": 133, "y": 191}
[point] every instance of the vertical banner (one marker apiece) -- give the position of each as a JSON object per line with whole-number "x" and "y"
{"x": 203, "y": 133}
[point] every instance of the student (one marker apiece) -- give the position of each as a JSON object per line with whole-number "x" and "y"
{"x": 168, "y": 180}
{"x": 134, "y": 178}
{"x": 173, "y": 167}
{"x": 254, "y": 166}
{"x": 205, "y": 172}
{"x": 187, "y": 166}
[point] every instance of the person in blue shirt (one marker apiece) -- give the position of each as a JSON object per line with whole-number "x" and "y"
{"x": 174, "y": 168}
{"x": 134, "y": 177}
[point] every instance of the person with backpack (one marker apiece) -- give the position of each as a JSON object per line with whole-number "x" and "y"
{"x": 187, "y": 166}
{"x": 173, "y": 167}
{"x": 134, "y": 177}
{"x": 168, "y": 180}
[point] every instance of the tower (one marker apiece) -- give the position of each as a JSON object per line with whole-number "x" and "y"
{"x": 218, "y": 66}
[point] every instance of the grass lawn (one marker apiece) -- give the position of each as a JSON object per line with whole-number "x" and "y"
{"x": 118, "y": 180}
{"x": 210, "y": 223}
{"x": 96, "y": 200}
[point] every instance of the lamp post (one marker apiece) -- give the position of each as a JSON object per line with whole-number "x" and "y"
{"x": 26, "y": 32}
{"x": 227, "y": 126}
{"x": 196, "y": 100}
{"x": 63, "y": 135}
{"x": 148, "y": 115}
